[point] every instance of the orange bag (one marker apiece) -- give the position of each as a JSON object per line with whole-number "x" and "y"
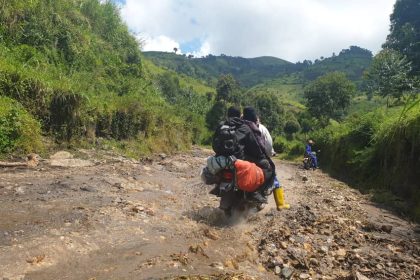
{"x": 249, "y": 177}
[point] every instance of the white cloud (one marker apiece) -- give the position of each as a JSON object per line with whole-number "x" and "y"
{"x": 293, "y": 30}
{"x": 204, "y": 50}
{"x": 159, "y": 43}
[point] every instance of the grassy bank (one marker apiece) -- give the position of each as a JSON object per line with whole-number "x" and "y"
{"x": 75, "y": 70}
{"x": 378, "y": 152}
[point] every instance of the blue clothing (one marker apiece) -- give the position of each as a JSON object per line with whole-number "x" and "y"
{"x": 276, "y": 183}
{"x": 308, "y": 149}
{"x": 309, "y": 152}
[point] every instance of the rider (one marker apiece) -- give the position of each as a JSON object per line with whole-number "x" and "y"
{"x": 249, "y": 144}
{"x": 278, "y": 190}
{"x": 248, "y": 147}
{"x": 265, "y": 147}
{"x": 308, "y": 152}
{"x": 268, "y": 139}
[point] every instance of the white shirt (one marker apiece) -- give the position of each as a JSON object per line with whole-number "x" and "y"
{"x": 268, "y": 140}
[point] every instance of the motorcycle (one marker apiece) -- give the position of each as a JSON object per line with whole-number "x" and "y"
{"x": 232, "y": 199}
{"x": 308, "y": 161}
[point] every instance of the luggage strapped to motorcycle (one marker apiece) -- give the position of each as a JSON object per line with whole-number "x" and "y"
{"x": 267, "y": 182}
{"x": 232, "y": 184}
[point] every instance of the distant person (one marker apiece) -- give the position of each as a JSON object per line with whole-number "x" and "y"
{"x": 310, "y": 153}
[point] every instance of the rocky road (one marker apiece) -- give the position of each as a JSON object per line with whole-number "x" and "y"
{"x": 103, "y": 216}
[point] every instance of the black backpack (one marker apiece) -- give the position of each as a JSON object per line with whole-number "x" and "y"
{"x": 225, "y": 142}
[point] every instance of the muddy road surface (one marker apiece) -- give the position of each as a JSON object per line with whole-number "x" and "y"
{"x": 103, "y": 216}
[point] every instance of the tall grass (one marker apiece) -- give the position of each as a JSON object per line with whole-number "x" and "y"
{"x": 73, "y": 66}
{"x": 379, "y": 150}
{"x": 19, "y": 131}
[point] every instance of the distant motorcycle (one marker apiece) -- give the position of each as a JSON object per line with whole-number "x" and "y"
{"x": 308, "y": 161}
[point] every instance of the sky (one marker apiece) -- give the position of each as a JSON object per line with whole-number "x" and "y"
{"x": 289, "y": 29}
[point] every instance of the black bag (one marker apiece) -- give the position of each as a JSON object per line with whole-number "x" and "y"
{"x": 225, "y": 142}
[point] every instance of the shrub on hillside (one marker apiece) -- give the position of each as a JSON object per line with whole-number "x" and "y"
{"x": 28, "y": 91}
{"x": 378, "y": 150}
{"x": 297, "y": 149}
{"x": 19, "y": 131}
{"x": 292, "y": 126}
{"x": 280, "y": 145}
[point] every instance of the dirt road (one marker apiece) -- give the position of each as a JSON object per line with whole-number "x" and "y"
{"x": 109, "y": 217}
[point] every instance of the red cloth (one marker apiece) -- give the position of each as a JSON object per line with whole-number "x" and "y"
{"x": 249, "y": 177}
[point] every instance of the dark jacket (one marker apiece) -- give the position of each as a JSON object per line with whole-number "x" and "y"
{"x": 248, "y": 147}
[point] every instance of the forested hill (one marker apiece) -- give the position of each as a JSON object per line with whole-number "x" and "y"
{"x": 353, "y": 61}
{"x": 252, "y": 71}
{"x": 248, "y": 71}
{"x": 71, "y": 72}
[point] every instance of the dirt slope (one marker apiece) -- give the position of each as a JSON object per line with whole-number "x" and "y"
{"x": 108, "y": 217}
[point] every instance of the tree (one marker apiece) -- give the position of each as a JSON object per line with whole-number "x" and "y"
{"x": 169, "y": 85}
{"x": 269, "y": 108}
{"x": 306, "y": 125}
{"x": 388, "y": 75}
{"x": 216, "y": 115}
{"x": 292, "y": 126}
{"x": 405, "y": 31}
{"x": 329, "y": 96}
{"x": 228, "y": 90}
{"x": 175, "y": 50}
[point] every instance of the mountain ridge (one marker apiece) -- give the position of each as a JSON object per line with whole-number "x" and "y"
{"x": 252, "y": 71}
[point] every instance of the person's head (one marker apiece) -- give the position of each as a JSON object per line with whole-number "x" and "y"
{"x": 249, "y": 114}
{"x": 233, "y": 112}
{"x": 310, "y": 142}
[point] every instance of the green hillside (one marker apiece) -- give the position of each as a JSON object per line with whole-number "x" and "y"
{"x": 353, "y": 61}
{"x": 288, "y": 89}
{"x": 73, "y": 67}
{"x": 246, "y": 71}
{"x": 252, "y": 71}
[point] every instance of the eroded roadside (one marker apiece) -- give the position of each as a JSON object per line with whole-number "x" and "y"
{"x": 114, "y": 218}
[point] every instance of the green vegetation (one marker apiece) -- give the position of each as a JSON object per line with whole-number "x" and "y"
{"x": 70, "y": 71}
{"x": 247, "y": 71}
{"x": 274, "y": 87}
{"x": 76, "y": 69}
{"x": 405, "y": 31}
{"x": 270, "y": 110}
{"x": 329, "y": 96}
{"x": 353, "y": 62}
{"x": 291, "y": 127}
{"x": 250, "y": 72}
{"x": 389, "y": 75}
{"x": 19, "y": 131}
{"x": 379, "y": 150}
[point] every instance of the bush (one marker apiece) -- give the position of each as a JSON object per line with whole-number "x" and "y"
{"x": 269, "y": 108}
{"x": 216, "y": 114}
{"x": 292, "y": 126}
{"x": 379, "y": 150}
{"x": 19, "y": 131}
{"x": 29, "y": 92}
{"x": 297, "y": 149}
{"x": 280, "y": 145}
{"x": 65, "y": 115}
